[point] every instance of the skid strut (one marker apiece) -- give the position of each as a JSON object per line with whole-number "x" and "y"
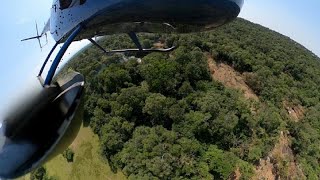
{"x": 59, "y": 56}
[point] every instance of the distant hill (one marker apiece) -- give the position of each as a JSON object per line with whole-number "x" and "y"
{"x": 239, "y": 102}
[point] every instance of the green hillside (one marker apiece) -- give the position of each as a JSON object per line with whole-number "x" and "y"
{"x": 87, "y": 163}
{"x": 172, "y": 116}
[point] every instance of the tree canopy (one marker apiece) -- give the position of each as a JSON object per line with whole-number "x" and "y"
{"x": 163, "y": 117}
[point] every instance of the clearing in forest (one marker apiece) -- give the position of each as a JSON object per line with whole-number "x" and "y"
{"x": 87, "y": 164}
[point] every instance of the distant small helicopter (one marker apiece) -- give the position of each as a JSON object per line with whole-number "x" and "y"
{"x": 43, "y": 125}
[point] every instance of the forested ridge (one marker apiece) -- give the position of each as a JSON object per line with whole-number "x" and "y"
{"x": 162, "y": 116}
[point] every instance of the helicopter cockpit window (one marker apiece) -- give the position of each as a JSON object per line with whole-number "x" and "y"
{"x": 64, "y": 4}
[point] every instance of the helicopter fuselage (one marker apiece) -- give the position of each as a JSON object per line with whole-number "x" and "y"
{"x": 103, "y": 17}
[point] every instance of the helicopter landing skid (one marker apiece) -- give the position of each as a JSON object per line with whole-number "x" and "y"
{"x": 139, "y": 50}
{"x": 47, "y": 81}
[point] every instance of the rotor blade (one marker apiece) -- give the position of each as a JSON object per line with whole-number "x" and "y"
{"x": 35, "y": 37}
{"x": 39, "y": 43}
{"x": 37, "y": 29}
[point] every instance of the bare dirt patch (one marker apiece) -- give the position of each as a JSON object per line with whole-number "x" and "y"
{"x": 285, "y": 159}
{"x": 230, "y": 78}
{"x": 159, "y": 45}
{"x": 236, "y": 175}
{"x": 265, "y": 170}
{"x": 295, "y": 112}
{"x": 280, "y": 164}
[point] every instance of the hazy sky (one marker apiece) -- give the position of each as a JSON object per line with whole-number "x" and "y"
{"x": 20, "y": 61}
{"x": 294, "y": 18}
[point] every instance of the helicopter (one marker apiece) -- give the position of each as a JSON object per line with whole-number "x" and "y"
{"x": 45, "y": 123}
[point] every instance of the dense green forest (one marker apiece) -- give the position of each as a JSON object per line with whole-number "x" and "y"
{"x": 162, "y": 116}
